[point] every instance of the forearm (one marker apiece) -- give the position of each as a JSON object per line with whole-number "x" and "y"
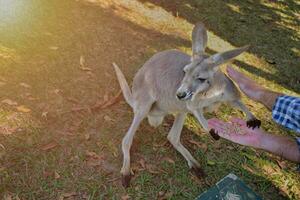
{"x": 268, "y": 98}
{"x": 280, "y": 145}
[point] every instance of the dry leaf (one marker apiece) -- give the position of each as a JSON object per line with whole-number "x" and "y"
{"x": 23, "y": 109}
{"x": 105, "y": 98}
{"x": 67, "y": 195}
{"x": 202, "y": 146}
{"x": 47, "y": 174}
{"x": 53, "y": 48}
{"x": 93, "y": 155}
{"x": 81, "y": 61}
{"x": 25, "y": 85}
{"x": 44, "y": 114}
{"x": 142, "y": 163}
{"x": 86, "y": 136}
{"x": 85, "y": 68}
{"x": 125, "y": 197}
{"x": 7, "y": 197}
{"x": 281, "y": 164}
{"x": 49, "y": 146}
{"x": 169, "y": 160}
{"x": 107, "y": 118}
{"x": 56, "y": 91}
{"x": 56, "y": 175}
{"x": 9, "y": 102}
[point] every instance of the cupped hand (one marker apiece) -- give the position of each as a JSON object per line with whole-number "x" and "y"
{"x": 237, "y": 131}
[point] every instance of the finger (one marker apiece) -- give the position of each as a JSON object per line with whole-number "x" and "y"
{"x": 238, "y": 121}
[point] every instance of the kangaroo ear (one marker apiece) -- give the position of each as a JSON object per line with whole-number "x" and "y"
{"x": 199, "y": 39}
{"x": 221, "y": 58}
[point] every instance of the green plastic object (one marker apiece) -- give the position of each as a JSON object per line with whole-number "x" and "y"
{"x": 229, "y": 188}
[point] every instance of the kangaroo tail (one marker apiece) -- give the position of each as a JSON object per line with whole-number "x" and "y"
{"x": 124, "y": 85}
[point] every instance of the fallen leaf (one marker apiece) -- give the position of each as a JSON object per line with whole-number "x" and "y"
{"x": 281, "y": 164}
{"x": 7, "y": 197}
{"x": 202, "y": 146}
{"x": 67, "y": 195}
{"x": 169, "y": 160}
{"x": 107, "y": 118}
{"x": 73, "y": 100}
{"x": 23, "y": 109}
{"x": 85, "y": 69}
{"x": 49, "y": 146}
{"x": 142, "y": 163}
{"x": 9, "y": 102}
{"x": 56, "y": 175}
{"x": 125, "y": 197}
{"x": 93, "y": 155}
{"x": 56, "y": 91}
{"x": 105, "y": 98}
{"x": 53, "y": 48}
{"x": 44, "y": 114}
{"x": 47, "y": 174}
{"x": 269, "y": 169}
{"x": 82, "y": 61}
{"x": 25, "y": 85}
{"x": 86, "y": 136}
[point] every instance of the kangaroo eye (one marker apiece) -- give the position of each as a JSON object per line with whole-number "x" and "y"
{"x": 201, "y": 79}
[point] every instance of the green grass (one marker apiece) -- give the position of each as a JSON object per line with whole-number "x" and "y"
{"x": 43, "y": 50}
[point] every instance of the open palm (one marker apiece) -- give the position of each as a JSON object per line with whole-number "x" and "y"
{"x": 236, "y": 131}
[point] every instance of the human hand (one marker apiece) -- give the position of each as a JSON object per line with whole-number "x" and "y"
{"x": 237, "y": 131}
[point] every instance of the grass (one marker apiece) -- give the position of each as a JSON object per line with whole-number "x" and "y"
{"x": 51, "y": 153}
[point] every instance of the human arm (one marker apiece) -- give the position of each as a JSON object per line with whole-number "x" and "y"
{"x": 238, "y": 132}
{"x": 252, "y": 89}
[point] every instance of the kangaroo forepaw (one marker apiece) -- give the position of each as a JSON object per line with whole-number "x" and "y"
{"x": 198, "y": 172}
{"x": 253, "y": 123}
{"x": 126, "y": 180}
{"x": 214, "y": 134}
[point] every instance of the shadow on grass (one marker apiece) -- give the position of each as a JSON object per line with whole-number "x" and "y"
{"x": 271, "y": 30}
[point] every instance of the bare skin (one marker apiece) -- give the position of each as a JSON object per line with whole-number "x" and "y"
{"x": 253, "y": 90}
{"x": 279, "y": 145}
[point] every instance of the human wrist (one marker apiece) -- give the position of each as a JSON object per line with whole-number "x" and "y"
{"x": 264, "y": 141}
{"x": 268, "y": 98}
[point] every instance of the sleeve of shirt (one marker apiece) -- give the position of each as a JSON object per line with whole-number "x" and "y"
{"x": 286, "y": 111}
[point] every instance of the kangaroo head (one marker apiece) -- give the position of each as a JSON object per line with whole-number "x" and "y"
{"x": 199, "y": 74}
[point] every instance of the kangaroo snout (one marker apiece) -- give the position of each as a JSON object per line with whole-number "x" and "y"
{"x": 181, "y": 95}
{"x": 185, "y": 95}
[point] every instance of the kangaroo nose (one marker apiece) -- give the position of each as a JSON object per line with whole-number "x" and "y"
{"x": 181, "y": 95}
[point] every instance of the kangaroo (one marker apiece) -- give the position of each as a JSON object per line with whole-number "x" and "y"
{"x": 172, "y": 82}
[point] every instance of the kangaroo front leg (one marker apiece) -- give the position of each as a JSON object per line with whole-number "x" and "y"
{"x": 174, "y": 138}
{"x": 198, "y": 113}
{"x": 251, "y": 119}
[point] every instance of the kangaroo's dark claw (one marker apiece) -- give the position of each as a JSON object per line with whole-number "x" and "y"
{"x": 214, "y": 134}
{"x": 253, "y": 123}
